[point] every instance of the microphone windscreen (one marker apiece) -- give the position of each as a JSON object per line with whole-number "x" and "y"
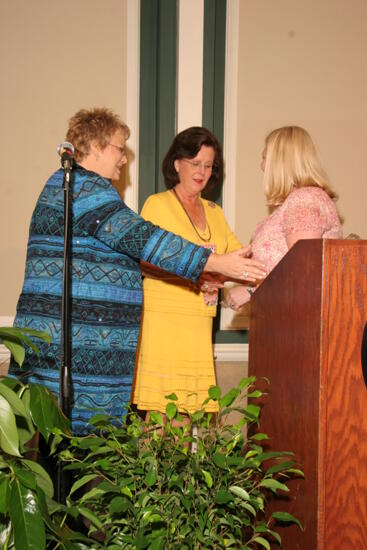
{"x": 65, "y": 146}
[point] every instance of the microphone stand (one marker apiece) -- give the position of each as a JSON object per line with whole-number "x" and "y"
{"x": 66, "y": 391}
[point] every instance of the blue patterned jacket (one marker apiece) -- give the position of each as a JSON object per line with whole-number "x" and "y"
{"x": 108, "y": 242}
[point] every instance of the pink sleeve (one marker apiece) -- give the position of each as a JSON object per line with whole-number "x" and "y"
{"x": 306, "y": 210}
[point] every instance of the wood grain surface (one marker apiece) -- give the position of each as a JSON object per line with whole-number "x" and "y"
{"x": 307, "y": 321}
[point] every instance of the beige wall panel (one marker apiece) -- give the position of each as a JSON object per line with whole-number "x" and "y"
{"x": 303, "y": 63}
{"x": 55, "y": 58}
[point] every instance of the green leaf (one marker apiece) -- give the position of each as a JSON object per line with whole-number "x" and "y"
{"x": 158, "y": 544}
{"x": 253, "y": 411}
{"x": 29, "y": 529}
{"x": 17, "y": 351}
{"x": 240, "y": 492}
{"x": 262, "y": 528}
{"x": 15, "y": 339}
{"x": 43, "y": 479}
{"x": 250, "y": 508}
{"x": 220, "y": 460}
{"x": 118, "y": 505}
{"x": 126, "y": 491}
{"x": 246, "y": 382}
{"x": 255, "y": 393}
{"x": 9, "y": 440}
{"x": 259, "y": 437}
{"x": 208, "y": 478}
{"x": 263, "y": 542}
{"x": 197, "y": 416}
{"x": 295, "y": 472}
{"x": 99, "y": 418}
{"x": 273, "y": 485}
{"x": 93, "y": 518}
{"x": 4, "y": 489}
{"x": 171, "y": 410}
{"x": 25, "y": 477}
{"x": 229, "y": 397}
{"x": 82, "y": 481}
{"x": 151, "y": 477}
{"x": 20, "y": 332}
{"x": 285, "y": 517}
{"x": 280, "y": 467}
{"x": 156, "y": 418}
{"x": 214, "y": 392}
{"x": 45, "y": 411}
{"x": 223, "y": 496}
{"x": 171, "y": 397}
{"x": 16, "y": 403}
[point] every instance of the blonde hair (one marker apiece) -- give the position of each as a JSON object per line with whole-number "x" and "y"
{"x": 291, "y": 162}
{"x": 98, "y": 124}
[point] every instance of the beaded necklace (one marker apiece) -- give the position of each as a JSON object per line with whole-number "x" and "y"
{"x": 206, "y": 240}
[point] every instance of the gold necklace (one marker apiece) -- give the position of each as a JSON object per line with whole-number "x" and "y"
{"x": 206, "y": 240}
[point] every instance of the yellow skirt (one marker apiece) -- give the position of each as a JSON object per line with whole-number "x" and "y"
{"x": 175, "y": 355}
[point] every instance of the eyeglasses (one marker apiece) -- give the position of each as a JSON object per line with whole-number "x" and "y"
{"x": 121, "y": 149}
{"x": 196, "y": 164}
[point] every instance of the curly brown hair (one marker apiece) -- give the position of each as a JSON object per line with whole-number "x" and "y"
{"x": 97, "y": 124}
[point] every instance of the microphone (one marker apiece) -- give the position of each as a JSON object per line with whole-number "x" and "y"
{"x": 66, "y": 152}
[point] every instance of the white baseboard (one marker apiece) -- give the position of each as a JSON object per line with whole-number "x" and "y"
{"x": 222, "y": 352}
{"x": 6, "y": 320}
{"x": 231, "y": 352}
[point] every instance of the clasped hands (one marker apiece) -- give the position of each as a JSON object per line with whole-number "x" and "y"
{"x": 210, "y": 283}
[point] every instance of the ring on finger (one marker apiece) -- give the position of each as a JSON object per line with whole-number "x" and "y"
{"x": 245, "y": 274}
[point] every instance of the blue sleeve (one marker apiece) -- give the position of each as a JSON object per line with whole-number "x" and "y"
{"x": 102, "y": 214}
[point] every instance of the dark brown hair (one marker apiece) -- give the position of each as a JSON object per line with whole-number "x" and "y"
{"x": 186, "y": 145}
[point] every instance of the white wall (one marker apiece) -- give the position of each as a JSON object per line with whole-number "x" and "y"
{"x": 303, "y": 63}
{"x": 54, "y": 59}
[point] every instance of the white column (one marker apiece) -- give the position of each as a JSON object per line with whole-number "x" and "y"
{"x": 190, "y": 63}
{"x": 132, "y": 99}
{"x": 228, "y": 319}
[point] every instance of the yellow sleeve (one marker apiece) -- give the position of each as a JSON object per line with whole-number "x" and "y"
{"x": 151, "y": 209}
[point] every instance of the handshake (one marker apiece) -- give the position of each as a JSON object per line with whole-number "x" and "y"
{"x": 249, "y": 270}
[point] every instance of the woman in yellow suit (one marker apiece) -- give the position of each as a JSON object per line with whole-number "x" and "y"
{"x": 175, "y": 354}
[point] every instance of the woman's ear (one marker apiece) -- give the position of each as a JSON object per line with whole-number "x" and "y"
{"x": 176, "y": 164}
{"x": 95, "y": 149}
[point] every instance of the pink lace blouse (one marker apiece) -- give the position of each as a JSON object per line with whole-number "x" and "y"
{"x": 305, "y": 209}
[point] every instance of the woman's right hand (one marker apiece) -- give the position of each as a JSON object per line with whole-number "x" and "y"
{"x": 236, "y": 265}
{"x": 236, "y": 297}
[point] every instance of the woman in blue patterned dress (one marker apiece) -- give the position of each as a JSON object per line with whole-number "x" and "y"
{"x": 108, "y": 242}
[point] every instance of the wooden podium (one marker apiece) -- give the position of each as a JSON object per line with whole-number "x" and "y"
{"x": 306, "y": 330}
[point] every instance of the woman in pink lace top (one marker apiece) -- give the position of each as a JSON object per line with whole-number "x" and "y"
{"x": 302, "y": 202}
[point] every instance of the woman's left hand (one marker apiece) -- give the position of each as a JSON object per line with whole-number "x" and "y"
{"x": 209, "y": 282}
{"x": 211, "y": 297}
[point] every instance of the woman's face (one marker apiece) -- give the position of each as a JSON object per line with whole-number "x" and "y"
{"x": 195, "y": 173}
{"x": 263, "y": 160}
{"x": 113, "y": 157}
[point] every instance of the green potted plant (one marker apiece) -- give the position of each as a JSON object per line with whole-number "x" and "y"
{"x": 138, "y": 484}
{"x": 30, "y": 519}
